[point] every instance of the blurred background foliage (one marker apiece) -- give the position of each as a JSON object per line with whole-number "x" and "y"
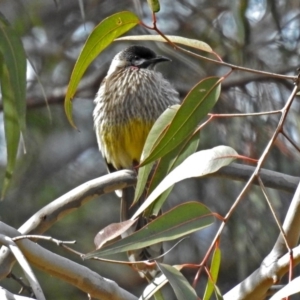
{"x": 260, "y": 34}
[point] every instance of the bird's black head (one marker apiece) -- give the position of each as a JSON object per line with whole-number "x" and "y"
{"x": 136, "y": 56}
{"x": 141, "y": 57}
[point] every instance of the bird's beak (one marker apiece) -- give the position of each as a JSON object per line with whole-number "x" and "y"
{"x": 159, "y": 59}
{"x": 153, "y": 61}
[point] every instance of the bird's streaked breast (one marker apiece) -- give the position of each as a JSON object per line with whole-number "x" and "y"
{"x": 127, "y": 105}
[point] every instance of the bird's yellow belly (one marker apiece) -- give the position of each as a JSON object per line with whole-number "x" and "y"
{"x": 123, "y": 144}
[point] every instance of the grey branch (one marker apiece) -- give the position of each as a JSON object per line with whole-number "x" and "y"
{"x": 51, "y": 213}
{"x": 270, "y": 179}
{"x": 47, "y": 216}
{"x": 73, "y": 273}
{"x": 276, "y": 264}
{"x": 57, "y": 209}
{"x": 256, "y": 286}
{"x": 36, "y": 288}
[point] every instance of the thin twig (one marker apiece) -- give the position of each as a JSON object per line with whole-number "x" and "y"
{"x": 263, "y": 189}
{"x": 263, "y": 113}
{"x": 42, "y": 237}
{"x": 220, "y": 61}
{"x": 23, "y": 285}
{"x": 235, "y": 67}
{"x": 290, "y": 140}
{"x": 284, "y": 112}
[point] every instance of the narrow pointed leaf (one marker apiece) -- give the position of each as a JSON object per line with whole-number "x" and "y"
{"x": 173, "y": 38}
{"x": 173, "y": 159}
{"x": 13, "y": 87}
{"x": 156, "y": 284}
{"x": 11, "y": 126}
{"x": 180, "y": 221}
{"x": 199, "y": 164}
{"x": 214, "y": 272}
{"x": 14, "y": 58}
{"x": 157, "y": 129}
{"x": 195, "y": 106}
{"x": 218, "y": 293}
{"x": 181, "y": 287}
{"x": 103, "y": 35}
{"x": 168, "y": 163}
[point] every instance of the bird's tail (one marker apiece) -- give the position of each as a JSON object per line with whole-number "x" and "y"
{"x": 148, "y": 253}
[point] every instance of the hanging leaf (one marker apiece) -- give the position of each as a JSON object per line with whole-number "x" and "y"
{"x": 156, "y": 131}
{"x": 214, "y": 272}
{"x": 180, "y": 221}
{"x": 102, "y": 36}
{"x": 173, "y": 38}
{"x": 181, "y": 287}
{"x": 167, "y": 164}
{"x": 157, "y": 283}
{"x": 13, "y": 88}
{"x": 14, "y": 57}
{"x": 199, "y": 164}
{"x": 195, "y": 106}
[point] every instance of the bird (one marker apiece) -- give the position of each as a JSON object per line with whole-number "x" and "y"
{"x": 130, "y": 99}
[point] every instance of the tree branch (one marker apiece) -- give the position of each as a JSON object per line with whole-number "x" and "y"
{"x": 57, "y": 209}
{"x": 271, "y": 179}
{"x": 34, "y": 284}
{"x": 51, "y": 213}
{"x": 67, "y": 270}
{"x": 256, "y": 286}
{"x": 277, "y": 262}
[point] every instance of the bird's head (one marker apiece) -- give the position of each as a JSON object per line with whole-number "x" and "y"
{"x": 135, "y": 56}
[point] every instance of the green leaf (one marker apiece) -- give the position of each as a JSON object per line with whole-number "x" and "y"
{"x": 13, "y": 87}
{"x": 154, "y": 5}
{"x": 157, "y": 283}
{"x": 102, "y": 36}
{"x": 218, "y": 293}
{"x": 180, "y": 221}
{"x": 173, "y": 38}
{"x": 199, "y": 164}
{"x": 14, "y": 57}
{"x": 181, "y": 287}
{"x": 214, "y": 272}
{"x": 157, "y": 129}
{"x": 11, "y": 126}
{"x": 167, "y": 164}
{"x": 195, "y": 106}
